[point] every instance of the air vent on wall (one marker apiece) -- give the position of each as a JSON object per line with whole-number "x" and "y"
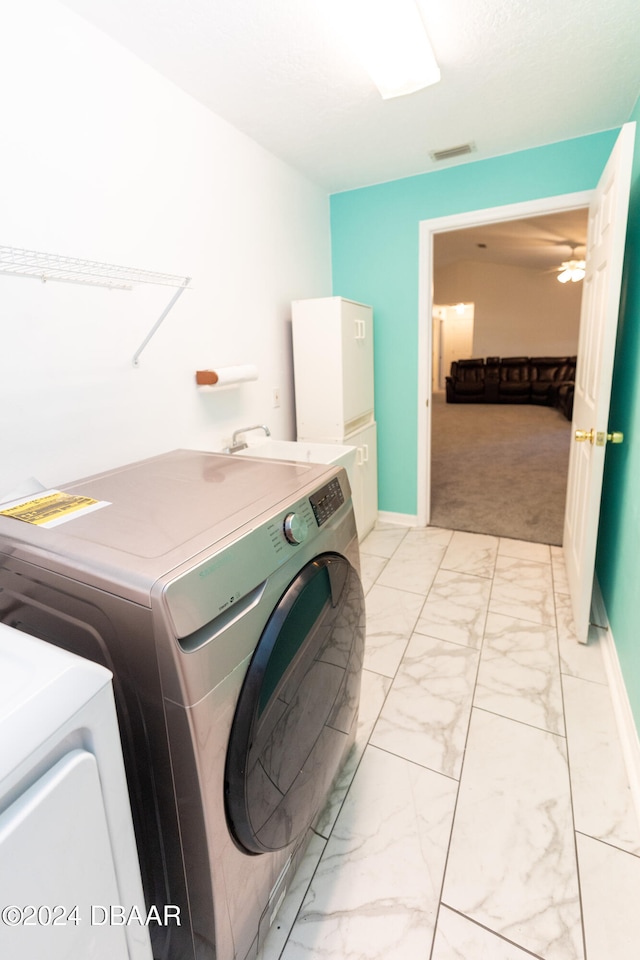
{"x": 452, "y": 152}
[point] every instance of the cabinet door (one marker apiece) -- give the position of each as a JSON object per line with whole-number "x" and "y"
{"x": 365, "y": 493}
{"x": 357, "y": 363}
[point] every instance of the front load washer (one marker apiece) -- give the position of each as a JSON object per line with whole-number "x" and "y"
{"x": 224, "y": 596}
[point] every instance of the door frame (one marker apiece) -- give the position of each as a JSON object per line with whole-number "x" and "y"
{"x": 427, "y": 231}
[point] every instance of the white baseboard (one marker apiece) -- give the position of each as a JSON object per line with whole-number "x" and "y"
{"x": 625, "y": 721}
{"x": 401, "y": 519}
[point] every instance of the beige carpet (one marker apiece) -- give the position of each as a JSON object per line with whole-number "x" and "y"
{"x": 499, "y": 469}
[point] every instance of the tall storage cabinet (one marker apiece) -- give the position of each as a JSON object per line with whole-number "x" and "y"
{"x": 333, "y": 368}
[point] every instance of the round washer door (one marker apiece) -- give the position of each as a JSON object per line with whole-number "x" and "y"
{"x": 296, "y": 714}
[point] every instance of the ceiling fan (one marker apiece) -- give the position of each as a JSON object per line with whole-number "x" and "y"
{"x": 572, "y": 269}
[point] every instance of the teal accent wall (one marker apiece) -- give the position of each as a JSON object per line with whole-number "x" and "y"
{"x": 375, "y": 239}
{"x": 618, "y": 558}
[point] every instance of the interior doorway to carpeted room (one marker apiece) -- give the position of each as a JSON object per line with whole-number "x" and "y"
{"x": 501, "y": 469}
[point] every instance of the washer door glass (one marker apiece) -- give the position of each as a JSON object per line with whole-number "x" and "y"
{"x": 297, "y": 710}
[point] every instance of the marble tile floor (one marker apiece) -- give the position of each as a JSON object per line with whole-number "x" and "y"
{"x": 485, "y": 811}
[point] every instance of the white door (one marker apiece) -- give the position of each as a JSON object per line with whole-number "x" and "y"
{"x": 596, "y": 347}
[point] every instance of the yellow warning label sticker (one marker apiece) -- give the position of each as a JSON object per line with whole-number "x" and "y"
{"x": 50, "y": 508}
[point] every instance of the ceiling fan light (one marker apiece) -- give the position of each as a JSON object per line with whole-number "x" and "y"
{"x": 574, "y": 270}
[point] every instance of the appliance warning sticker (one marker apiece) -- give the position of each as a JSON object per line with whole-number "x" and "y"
{"x": 50, "y": 508}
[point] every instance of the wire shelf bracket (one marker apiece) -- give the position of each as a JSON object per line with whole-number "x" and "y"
{"x": 154, "y": 328}
{"x": 46, "y": 266}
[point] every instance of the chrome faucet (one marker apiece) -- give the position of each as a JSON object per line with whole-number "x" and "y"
{"x": 235, "y": 445}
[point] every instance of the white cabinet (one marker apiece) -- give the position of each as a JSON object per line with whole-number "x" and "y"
{"x": 333, "y": 367}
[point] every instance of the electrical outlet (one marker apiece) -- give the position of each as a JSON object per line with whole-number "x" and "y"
{"x": 276, "y": 397}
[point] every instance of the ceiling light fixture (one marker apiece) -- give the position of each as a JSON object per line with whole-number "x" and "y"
{"x": 573, "y": 270}
{"x": 390, "y": 41}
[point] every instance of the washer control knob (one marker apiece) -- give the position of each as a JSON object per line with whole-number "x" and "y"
{"x": 295, "y": 528}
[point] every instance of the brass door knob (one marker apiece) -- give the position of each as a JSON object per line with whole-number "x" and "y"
{"x": 598, "y": 438}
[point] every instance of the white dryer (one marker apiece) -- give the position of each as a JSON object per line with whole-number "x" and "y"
{"x": 68, "y": 860}
{"x": 224, "y": 595}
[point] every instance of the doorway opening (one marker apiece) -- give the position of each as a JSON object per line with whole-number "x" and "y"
{"x": 480, "y": 258}
{"x": 452, "y": 338}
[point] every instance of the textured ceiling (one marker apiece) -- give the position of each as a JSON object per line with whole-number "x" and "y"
{"x": 537, "y": 243}
{"x": 515, "y": 74}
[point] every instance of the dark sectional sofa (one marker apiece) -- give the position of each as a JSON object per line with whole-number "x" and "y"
{"x": 548, "y": 381}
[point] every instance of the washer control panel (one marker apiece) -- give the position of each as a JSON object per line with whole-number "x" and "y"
{"x": 326, "y": 501}
{"x": 231, "y": 579}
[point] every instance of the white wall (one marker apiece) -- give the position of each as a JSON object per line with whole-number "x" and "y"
{"x": 104, "y": 159}
{"x": 518, "y": 312}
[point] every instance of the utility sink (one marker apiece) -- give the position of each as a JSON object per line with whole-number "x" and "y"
{"x": 300, "y": 451}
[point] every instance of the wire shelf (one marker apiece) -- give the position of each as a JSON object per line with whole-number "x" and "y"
{"x": 50, "y": 266}
{"x": 47, "y": 266}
